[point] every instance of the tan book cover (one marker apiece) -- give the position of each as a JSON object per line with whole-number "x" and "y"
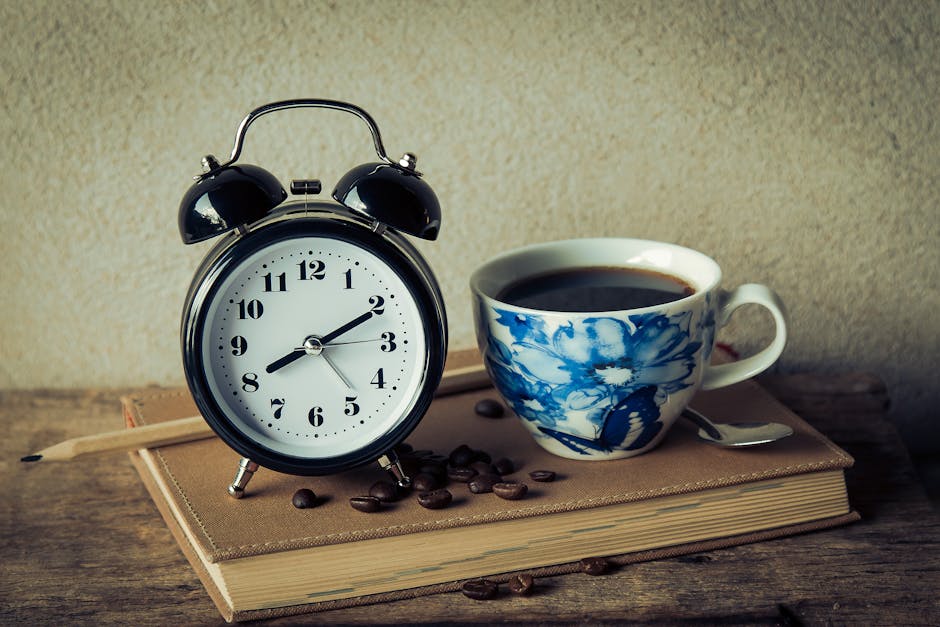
{"x": 261, "y": 557}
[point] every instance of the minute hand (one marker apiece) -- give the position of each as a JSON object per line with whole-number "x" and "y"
{"x": 355, "y": 322}
{"x": 297, "y": 353}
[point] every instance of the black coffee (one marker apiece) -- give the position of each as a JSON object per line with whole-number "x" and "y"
{"x": 584, "y": 290}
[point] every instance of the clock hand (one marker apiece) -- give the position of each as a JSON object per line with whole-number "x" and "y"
{"x": 374, "y": 339}
{"x": 352, "y": 324}
{"x": 322, "y": 341}
{"x": 336, "y": 371}
{"x": 289, "y": 358}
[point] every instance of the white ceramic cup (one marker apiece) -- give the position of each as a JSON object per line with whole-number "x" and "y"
{"x": 609, "y": 384}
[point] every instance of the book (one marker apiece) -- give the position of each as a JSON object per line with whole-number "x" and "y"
{"x": 260, "y": 557}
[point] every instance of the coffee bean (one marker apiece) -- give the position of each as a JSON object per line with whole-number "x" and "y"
{"x": 510, "y": 490}
{"x": 521, "y": 584}
{"x": 304, "y": 498}
{"x": 542, "y": 475}
{"x": 504, "y": 466}
{"x": 594, "y": 565}
{"x": 435, "y": 499}
{"x": 484, "y": 468}
{"x": 482, "y": 456}
{"x": 410, "y": 465}
{"x": 483, "y": 483}
{"x": 461, "y": 474}
{"x": 385, "y": 491}
{"x": 437, "y": 469}
{"x": 480, "y": 589}
{"x": 424, "y": 482}
{"x": 461, "y": 456}
{"x": 489, "y": 408}
{"x": 366, "y": 504}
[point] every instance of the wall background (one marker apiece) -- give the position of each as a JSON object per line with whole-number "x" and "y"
{"x": 795, "y": 142}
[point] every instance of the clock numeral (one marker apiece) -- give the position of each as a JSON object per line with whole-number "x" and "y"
{"x": 348, "y": 274}
{"x": 239, "y": 345}
{"x": 250, "y": 309}
{"x": 352, "y": 408}
{"x": 281, "y": 282}
{"x": 379, "y": 379}
{"x": 315, "y": 416}
{"x": 250, "y": 382}
{"x": 317, "y": 270}
{"x": 389, "y": 344}
{"x": 378, "y": 305}
{"x": 277, "y": 404}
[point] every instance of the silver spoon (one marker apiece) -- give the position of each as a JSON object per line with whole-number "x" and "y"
{"x": 738, "y": 433}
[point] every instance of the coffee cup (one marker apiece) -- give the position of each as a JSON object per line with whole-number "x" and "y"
{"x": 599, "y": 344}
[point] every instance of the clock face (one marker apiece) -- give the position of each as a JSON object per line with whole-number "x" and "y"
{"x": 312, "y": 347}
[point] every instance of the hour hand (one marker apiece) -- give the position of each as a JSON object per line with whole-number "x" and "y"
{"x": 289, "y": 358}
{"x": 314, "y": 345}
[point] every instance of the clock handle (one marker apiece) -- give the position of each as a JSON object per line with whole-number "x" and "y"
{"x": 297, "y": 104}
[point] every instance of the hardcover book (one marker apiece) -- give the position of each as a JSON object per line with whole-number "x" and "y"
{"x": 261, "y": 557}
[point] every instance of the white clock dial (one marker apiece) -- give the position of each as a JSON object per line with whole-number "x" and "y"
{"x": 314, "y": 347}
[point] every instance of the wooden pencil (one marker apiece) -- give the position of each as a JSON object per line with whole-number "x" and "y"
{"x": 160, "y": 434}
{"x": 195, "y": 428}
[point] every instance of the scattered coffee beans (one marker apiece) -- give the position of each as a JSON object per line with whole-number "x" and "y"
{"x": 484, "y": 468}
{"x": 431, "y": 472}
{"x": 304, "y": 498}
{"x": 415, "y": 461}
{"x": 480, "y": 589}
{"x": 542, "y": 475}
{"x": 504, "y": 466}
{"x": 510, "y": 490}
{"x": 521, "y": 584}
{"x": 489, "y": 408}
{"x": 385, "y": 491}
{"x": 482, "y": 456}
{"x": 436, "y": 469}
{"x": 461, "y": 474}
{"x": 424, "y": 482}
{"x": 594, "y": 565}
{"x": 461, "y": 456}
{"x": 366, "y": 504}
{"x": 435, "y": 499}
{"x": 482, "y": 484}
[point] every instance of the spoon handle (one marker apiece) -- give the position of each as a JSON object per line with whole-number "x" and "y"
{"x": 703, "y": 422}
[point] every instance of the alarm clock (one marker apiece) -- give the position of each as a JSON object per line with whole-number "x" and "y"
{"x": 314, "y": 333}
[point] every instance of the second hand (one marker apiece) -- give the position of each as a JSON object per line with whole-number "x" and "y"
{"x": 318, "y": 343}
{"x": 337, "y": 371}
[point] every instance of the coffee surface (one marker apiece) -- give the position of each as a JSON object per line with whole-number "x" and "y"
{"x": 594, "y": 289}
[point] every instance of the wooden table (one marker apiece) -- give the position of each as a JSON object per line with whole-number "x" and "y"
{"x": 81, "y": 542}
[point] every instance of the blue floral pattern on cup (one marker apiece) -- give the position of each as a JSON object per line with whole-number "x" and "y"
{"x": 613, "y": 372}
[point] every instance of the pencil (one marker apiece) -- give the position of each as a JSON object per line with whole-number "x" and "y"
{"x": 160, "y": 434}
{"x": 195, "y": 427}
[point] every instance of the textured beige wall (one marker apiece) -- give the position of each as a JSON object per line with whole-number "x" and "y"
{"x": 795, "y": 142}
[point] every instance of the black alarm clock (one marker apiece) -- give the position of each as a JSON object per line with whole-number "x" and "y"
{"x": 314, "y": 333}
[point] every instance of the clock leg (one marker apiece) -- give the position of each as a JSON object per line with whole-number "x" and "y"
{"x": 390, "y": 462}
{"x": 246, "y": 470}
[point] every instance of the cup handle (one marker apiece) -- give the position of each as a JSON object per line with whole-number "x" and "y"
{"x": 718, "y": 376}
